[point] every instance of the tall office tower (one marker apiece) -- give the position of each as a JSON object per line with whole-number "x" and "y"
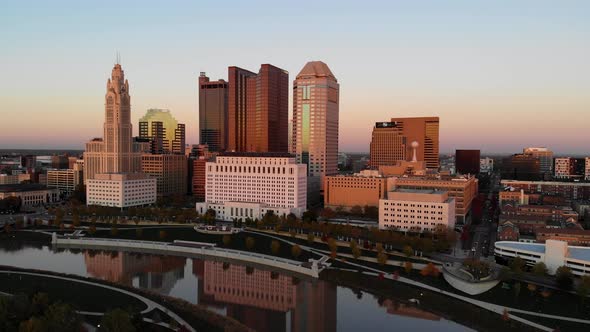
{"x": 112, "y": 164}
{"x": 417, "y": 138}
{"x": 467, "y": 161}
{"x": 388, "y": 144}
{"x": 164, "y": 132}
{"x": 115, "y": 152}
{"x": 213, "y": 113}
{"x": 545, "y": 157}
{"x": 315, "y": 123}
{"x": 258, "y": 109}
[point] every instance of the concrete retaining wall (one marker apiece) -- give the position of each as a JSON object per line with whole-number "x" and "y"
{"x": 471, "y": 288}
{"x": 168, "y": 248}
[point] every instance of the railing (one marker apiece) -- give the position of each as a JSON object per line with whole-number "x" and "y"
{"x": 257, "y": 258}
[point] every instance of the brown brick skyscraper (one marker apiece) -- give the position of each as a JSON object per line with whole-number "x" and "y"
{"x": 258, "y": 109}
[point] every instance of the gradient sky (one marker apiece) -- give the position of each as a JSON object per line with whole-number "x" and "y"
{"x": 500, "y": 74}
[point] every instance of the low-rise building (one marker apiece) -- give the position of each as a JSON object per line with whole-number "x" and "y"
{"x": 573, "y": 236}
{"x": 65, "y": 180}
{"x": 486, "y": 165}
{"x": 121, "y": 190}
{"x": 31, "y": 194}
{"x": 508, "y": 231}
{"x": 553, "y": 253}
{"x": 361, "y": 189}
{"x": 14, "y": 179}
{"x": 414, "y": 210}
{"x": 530, "y": 217}
{"x": 569, "y": 190}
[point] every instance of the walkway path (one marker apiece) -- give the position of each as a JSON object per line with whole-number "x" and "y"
{"x": 151, "y": 305}
{"x": 486, "y": 305}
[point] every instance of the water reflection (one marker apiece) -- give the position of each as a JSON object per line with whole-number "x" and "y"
{"x": 267, "y": 301}
{"x": 260, "y": 299}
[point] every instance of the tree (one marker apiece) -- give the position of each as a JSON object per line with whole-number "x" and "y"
{"x": 114, "y": 231}
{"x": 162, "y": 235}
{"x": 226, "y": 240}
{"x": 408, "y": 251}
{"x": 332, "y": 245}
{"x": 309, "y": 216}
{"x": 327, "y": 213}
{"x": 430, "y": 270}
{"x": 39, "y": 303}
{"x": 356, "y": 210}
{"x": 62, "y": 317}
{"x": 116, "y": 320}
{"x": 275, "y": 246}
{"x": 583, "y": 288}
{"x": 295, "y": 251}
{"x": 382, "y": 258}
{"x": 517, "y": 265}
{"x": 371, "y": 211}
{"x": 250, "y": 243}
{"x": 356, "y": 252}
{"x": 564, "y": 277}
{"x": 408, "y": 266}
{"x": 33, "y": 324}
{"x": 540, "y": 269}
{"x": 478, "y": 269}
{"x": 310, "y": 238}
{"x": 92, "y": 229}
{"x": 76, "y": 220}
{"x": 139, "y": 233}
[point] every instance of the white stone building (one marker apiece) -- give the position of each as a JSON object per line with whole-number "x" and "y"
{"x": 247, "y": 185}
{"x": 416, "y": 210}
{"x": 121, "y": 190}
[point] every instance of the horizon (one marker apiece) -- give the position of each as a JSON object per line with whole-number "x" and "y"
{"x": 473, "y": 65}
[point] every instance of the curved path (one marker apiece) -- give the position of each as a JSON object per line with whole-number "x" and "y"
{"x": 151, "y": 305}
{"x": 485, "y": 305}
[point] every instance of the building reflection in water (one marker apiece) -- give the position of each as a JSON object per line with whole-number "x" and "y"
{"x": 408, "y": 310}
{"x": 157, "y": 273}
{"x": 265, "y": 300}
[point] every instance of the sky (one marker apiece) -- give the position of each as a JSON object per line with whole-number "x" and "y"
{"x": 500, "y": 74}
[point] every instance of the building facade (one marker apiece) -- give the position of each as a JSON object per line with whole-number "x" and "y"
{"x": 569, "y": 190}
{"x": 573, "y": 236}
{"x": 247, "y": 185}
{"x": 362, "y": 189}
{"x": 417, "y": 210}
{"x": 419, "y": 137}
{"x": 121, "y": 190}
{"x": 486, "y": 165}
{"x": 258, "y": 111}
{"x": 165, "y": 134}
{"x": 521, "y": 167}
{"x": 569, "y": 168}
{"x": 315, "y": 122}
{"x": 31, "y": 194}
{"x": 545, "y": 157}
{"x": 213, "y": 113}
{"x": 587, "y": 168}
{"x": 170, "y": 171}
{"x": 65, "y": 180}
{"x": 467, "y": 161}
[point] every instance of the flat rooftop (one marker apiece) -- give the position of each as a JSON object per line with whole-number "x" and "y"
{"x": 8, "y": 188}
{"x": 420, "y": 191}
{"x": 575, "y": 252}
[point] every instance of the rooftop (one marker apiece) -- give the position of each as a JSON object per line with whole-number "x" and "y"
{"x": 316, "y": 68}
{"x": 7, "y": 188}
{"x": 420, "y": 191}
{"x": 257, "y": 154}
{"x": 579, "y": 253}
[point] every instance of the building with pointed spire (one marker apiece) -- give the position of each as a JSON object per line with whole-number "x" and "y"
{"x": 113, "y": 163}
{"x": 315, "y": 124}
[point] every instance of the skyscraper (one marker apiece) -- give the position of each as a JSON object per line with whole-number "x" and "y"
{"x": 213, "y": 113}
{"x": 315, "y": 122}
{"x": 409, "y": 138}
{"x": 164, "y": 132}
{"x": 115, "y": 152}
{"x": 258, "y": 109}
{"x": 112, "y": 164}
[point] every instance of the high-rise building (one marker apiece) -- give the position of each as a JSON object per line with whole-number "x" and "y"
{"x": 545, "y": 157}
{"x": 60, "y": 161}
{"x": 315, "y": 123}
{"x": 170, "y": 170}
{"x": 415, "y": 139}
{"x": 213, "y": 113}
{"x": 521, "y": 167}
{"x": 115, "y": 160}
{"x": 164, "y": 132}
{"x": 258, "y": 110}
{"x": 467, "y": 161}
{"x": 388, "y": 144}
